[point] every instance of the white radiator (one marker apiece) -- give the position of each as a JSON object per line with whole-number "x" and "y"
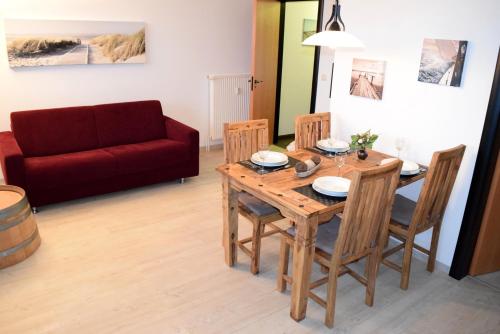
{"x": 229, "y": 102}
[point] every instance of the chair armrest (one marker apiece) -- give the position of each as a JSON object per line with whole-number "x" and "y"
{"x": 12, "y": 160}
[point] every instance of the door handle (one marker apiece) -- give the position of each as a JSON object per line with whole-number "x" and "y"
{"x": 254, "y": 82}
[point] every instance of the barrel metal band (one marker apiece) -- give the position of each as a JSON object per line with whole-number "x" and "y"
{"x": 24, "y": 215}
{"x": 20, "y": 246}
{"x": 8, "y": 212}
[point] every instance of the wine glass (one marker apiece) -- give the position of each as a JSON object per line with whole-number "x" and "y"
{"x": 331, "y": 142}
{"x": 263, "y": 154}
{"x": 400, "y": 144}
{"x": 340, "y": 160}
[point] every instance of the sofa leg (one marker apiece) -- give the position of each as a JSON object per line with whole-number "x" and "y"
{"x": 182, "y": 180}
{"x": 34, "y": 210}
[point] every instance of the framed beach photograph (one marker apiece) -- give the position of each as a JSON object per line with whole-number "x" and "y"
{"x": 442, "y": 62}
{"x": 54, "y": 42}
{"x": 367, "y": 78}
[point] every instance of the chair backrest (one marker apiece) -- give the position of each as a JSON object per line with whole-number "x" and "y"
{"x": 243, "y": 139}
{"x": 311, "y": 128}
{"x": 367, "y": 212}
{"x": 437, "y": 188}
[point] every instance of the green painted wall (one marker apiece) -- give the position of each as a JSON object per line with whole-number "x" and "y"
{"x": 298, "y": 63}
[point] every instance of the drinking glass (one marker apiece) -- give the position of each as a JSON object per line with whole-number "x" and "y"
{"x": 340, "y": 160}
{"x": 400, "y": 144}
{"x": 263, "y": 153}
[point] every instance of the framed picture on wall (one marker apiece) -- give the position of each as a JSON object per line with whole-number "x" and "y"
{"x": 442, "y": 62}
{"x": 54, "y": 42}
{"x": 367, "y": 78}
{"x": 309, "y": 28}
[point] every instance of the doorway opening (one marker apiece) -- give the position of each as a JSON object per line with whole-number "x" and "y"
{"x": 478, "y": 251}
{"x": 298, "y": 65}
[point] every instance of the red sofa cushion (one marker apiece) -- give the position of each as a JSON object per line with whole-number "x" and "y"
{"x": 54, "y": 131}
{"x": 69, "y": 169}
{"x": 129, "y": 123}
{"x": 151, "y": 155}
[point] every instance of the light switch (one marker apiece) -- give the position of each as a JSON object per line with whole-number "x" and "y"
{"x": 324, "y": 77}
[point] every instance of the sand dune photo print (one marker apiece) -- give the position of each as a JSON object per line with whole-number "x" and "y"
{"x": 367, "y": 78}
{"x": 442, "y": 62}
{"x": 49, "y": 42}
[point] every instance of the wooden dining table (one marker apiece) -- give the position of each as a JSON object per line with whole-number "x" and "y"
{"x": 277, "y": 189}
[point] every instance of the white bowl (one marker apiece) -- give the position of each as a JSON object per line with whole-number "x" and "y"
{"x": 269, "y": 159}
{"x": 332, "y": 186}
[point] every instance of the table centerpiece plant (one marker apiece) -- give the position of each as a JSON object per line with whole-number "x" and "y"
{"x": 362, "y": 141}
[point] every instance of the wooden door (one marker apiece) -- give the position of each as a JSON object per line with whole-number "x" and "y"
{"x": 487, "y": 252}
{"x": 265, "y": 46}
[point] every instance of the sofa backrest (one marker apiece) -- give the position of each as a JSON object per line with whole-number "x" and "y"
{"x": 129, "y": 123}
{"x": 65, "y": 130}
{"x": 54, "y": 131}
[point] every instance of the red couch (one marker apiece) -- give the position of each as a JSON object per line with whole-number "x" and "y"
{"x": 67, "y": 153}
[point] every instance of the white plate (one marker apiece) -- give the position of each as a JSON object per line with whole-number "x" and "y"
{"x": 332, "y": 145}
{"x": 409, "y": 167}
{"x": 269, "y": 159}
{"x": 332, "y": 186}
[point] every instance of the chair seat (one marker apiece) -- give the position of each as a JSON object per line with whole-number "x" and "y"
{"x": 402, "y": 211}
{"x": 255, "y": 205}
{"x": 326, "y": 236}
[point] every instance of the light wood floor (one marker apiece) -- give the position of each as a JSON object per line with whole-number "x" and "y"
{"x": 150, "y": 260}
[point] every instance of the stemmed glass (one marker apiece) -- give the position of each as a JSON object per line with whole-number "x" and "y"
{"x": 263, "y": 153}
{"x": 329, "y": 153}
{"x": 400, "y": 144}
{"x": 340, "y": 160}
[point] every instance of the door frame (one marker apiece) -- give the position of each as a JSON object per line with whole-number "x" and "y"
{"x": 317, "y": 55}
{"x": 481, "y": 182}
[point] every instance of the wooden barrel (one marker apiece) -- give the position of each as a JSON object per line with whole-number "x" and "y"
{"x": 19, "y": 236}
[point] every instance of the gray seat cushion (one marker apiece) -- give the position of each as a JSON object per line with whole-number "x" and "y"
{"x": 326, "y": 236}
{"x": 255, "y": 205}
{"x": 403, "y": 209}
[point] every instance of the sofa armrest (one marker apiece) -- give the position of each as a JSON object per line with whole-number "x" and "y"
{"x": 12, "y": 160}
{"x": 181, "y": 132}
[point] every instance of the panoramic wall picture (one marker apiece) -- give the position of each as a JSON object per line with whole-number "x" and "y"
{"x": 46, "y": 42}
{"x": 367, "y": 78}
{"x": 442, "y": 62}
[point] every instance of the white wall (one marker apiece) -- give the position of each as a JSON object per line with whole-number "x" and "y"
{"x": 430, "y": 117}
{"x": 186, "y": 40}
{"x": 298, "y": 64}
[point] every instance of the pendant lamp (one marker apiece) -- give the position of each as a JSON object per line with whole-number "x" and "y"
{"x": 334, "y": 35}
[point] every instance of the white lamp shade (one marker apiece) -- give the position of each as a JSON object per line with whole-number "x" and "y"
{"x": 335, "y": 40}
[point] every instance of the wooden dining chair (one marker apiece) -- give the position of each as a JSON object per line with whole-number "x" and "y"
{"x": 241, "y": 140}
{"x": 410, "y": 218}
{"x": 311, "y": 128}
{"x": 360, "y": 233}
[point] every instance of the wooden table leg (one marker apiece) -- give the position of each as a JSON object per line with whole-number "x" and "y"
{"x": 230, "y": 227}
{"x": 303, "y": 256}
